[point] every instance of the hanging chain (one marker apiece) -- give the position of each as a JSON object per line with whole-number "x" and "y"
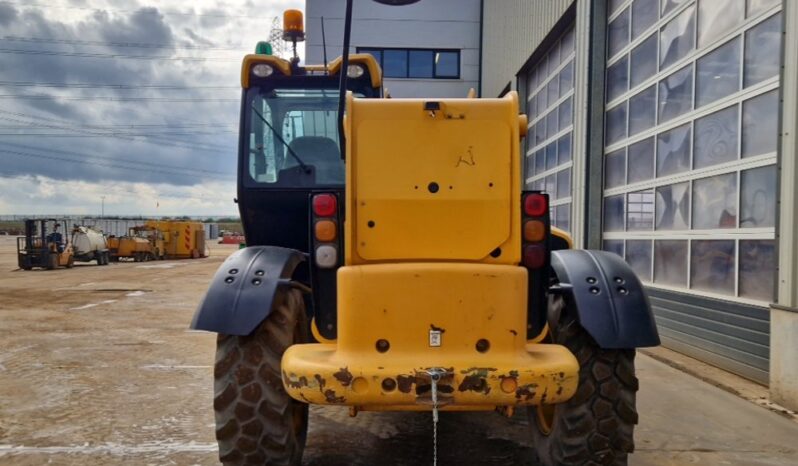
{"x": 435, "y": 375}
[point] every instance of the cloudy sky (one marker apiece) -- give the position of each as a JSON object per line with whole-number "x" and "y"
{"x": 133, "y": 100}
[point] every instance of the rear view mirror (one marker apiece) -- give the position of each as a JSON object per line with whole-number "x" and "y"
{"x": 396, "y": 2}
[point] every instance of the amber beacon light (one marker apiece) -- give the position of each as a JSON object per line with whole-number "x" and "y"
{"x": 293, "y": 26}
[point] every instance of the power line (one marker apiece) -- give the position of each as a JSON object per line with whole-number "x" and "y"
{"x": 183, "y": 170}
{"x": 112, "y": 55}
{"x": 133, "y": 126}
{"x": 58, "y": 85}
{"x": 115, "y": 99}
{"x": 138, "y": 45}
{"x": 96, "y": 163}
{"x": 162, "y": 133}
{"x": 120, "y": 190}
{"x": 206, "y": 147}
{"x": 145, "y": 10}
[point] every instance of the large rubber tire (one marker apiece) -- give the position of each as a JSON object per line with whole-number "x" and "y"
{"x": 256, "y": 421}
{"x": 596, "y": 426}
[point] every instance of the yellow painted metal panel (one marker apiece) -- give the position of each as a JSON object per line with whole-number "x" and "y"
{"x": 251, "y": 60}
{"x": 181, "y": 239}
{"x": 403, "y": 304}
{"x": 447, "y": 187}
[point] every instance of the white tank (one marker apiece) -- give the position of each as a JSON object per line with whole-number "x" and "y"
{"x": 86, "y": 240}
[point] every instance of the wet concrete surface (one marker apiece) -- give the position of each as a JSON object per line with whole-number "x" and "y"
{"x": 97, "y": 367}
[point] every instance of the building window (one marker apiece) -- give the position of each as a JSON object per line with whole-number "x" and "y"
{"x": 416, "y": 63}
{"x": 549, "y": 107}
{"x": 690, "y": 143}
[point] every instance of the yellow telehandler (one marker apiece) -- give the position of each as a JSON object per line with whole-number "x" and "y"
{"x": 394, "y": 262}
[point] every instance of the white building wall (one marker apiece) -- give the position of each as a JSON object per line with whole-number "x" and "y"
{"x": 512, "y": 30}
{"x": 448, "y": 24}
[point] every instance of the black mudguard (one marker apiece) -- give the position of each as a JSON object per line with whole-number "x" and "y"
{"x": 243, "y": 289}
{"x": 609, "y": 300}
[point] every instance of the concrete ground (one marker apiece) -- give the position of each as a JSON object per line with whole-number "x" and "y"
{"x": 97, "y": 367}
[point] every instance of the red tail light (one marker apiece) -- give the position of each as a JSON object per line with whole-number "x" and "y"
{"x": 534, "y": 256}
{"x": 535, "y": 205}
{"x": 324, "y": 205}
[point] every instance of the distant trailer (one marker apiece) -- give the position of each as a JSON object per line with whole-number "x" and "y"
{"x": 182, "y": 240}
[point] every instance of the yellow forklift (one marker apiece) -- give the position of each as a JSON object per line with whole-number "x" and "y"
{"x": 396, "y": 263}
{"x": 45, "y": 245}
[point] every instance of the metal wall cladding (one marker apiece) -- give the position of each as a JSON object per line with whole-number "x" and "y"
{"x": 512, "y": 30}
{"x": 732, "y": 336}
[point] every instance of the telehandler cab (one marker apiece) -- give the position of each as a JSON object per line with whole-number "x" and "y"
{"x": 432, "y": 282}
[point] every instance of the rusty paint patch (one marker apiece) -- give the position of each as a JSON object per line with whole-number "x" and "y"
{"x": 294, "y": 382}
{"x": 405, "y": 383}
{"x": 515, "y": 334}
{"x": 344, "y": 376}
{"x": 481, "y": 371}
{"x": 545, "y": 394}
{"x": 475, "y": 383}
{"x": 437, "y": 329}
{"x": 526, "y": 392}
{"x": 329, "y": 396}
{"x": 321, "y": 381}
{"x": 559, "y": 390}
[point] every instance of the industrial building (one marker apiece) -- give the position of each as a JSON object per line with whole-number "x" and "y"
{"x": 658, "y": 128}
{"x": 428, "y": 49}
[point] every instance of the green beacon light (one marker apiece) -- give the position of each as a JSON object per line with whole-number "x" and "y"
{"x": 263, "y": 48}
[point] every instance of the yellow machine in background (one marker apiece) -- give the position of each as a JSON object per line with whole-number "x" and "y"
{"x": 181, "y": 239}
{"x": 142, "y": 243}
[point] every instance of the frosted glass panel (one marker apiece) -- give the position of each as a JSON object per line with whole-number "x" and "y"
{"x": 718, "y": 73}
{"x": 617, "y": 79}
{"x": 673, "y": 207}
{"x": 758, "y": 197}
{"x": 760, "y": 124}
{"x": 676, "y": 39}
{"x": 716, "y": 138}
{"x": 641, "y": 160}
{"x": 763, "y": 51}
{"x": 642, "y": 110}
{"x": 640, "y": 210}
{"x": 673, "y": 151}
{"x": 715, "y": 202}
{"x": 564, "y": 183}
{"x": 676, "y": 94}
{"x": 757, "y": 269}
{"x": 616, "y": 124}
{"x": 613, "y": 213}
{"x": 618, "y": 33}
{"x": 615, "y": 169}
{"x": 644, "y": 14}
{"x": 644, "y": 61}
{"x": 712, "y": 266}
{"x": 564, "y": 149}
{"x": 670, "y": 262}
{"x": 614, "y": 246}
{"x": 716, "y": 17}
{"x": 638, "y": 255}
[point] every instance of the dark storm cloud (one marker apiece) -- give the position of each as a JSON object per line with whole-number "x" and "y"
{"x": 197, "y": 39}
{"x": 212, "y": 19}
{"x": 124, "y": 157}
{"x": 7, "y": 14}
{"x": 146, "y": 25}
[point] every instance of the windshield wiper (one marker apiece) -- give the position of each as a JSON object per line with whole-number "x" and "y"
{"x": 305, "y": 168}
